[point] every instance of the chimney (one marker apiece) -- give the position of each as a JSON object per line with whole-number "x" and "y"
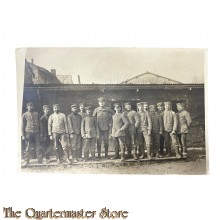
{"x": 53, "y": 71}
{"x": 32, "y": 60}
{"x": 79, "y": 79}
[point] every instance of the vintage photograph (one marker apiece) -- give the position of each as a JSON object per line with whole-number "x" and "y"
{"x": 112, "y": 111}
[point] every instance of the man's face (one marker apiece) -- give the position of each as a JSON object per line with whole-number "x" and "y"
{"x": 88, "y": 111}
{"x": 56, "y": 109}
{"x": 128, "y": 107}
{"x": 146, "y": 107}
{"x": 82, "y": 108}
{"x": 160, "y": 108}
{"x": 152, "y": 109}
{"x": 167, "y": 107}
{"x": 74, "y": 109}
{"x": 180, "y": 107}
{"x": 46, "y": 111}
{"x": 30, "y": 108}
{"x": 141, "y": 108}
{"x": 102, "y": 103}
{"x": 117, "y": 109}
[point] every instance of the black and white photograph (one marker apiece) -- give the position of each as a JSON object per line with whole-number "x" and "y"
{"x": 113, "y": 110}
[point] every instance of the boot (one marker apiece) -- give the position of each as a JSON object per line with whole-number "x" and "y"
{"x": 142, "y": 152}
{"x": 122, "y": 153}
{"x": 93, "y": 154}
{"x": 66, "y": 156}
{"x": 99, "y": 150}
{"x": 116, "y": 153}
{"x": 149, "y": 152}
{"x": 25, "y": 163}
{"x": 106, "y": 151}
{"x": 168, "y": 151}
{"x": 135, "y": 153}
{"x": 129, "y": 152}
{"x": 74, "y": 159}
{"x": 176, "y": 148}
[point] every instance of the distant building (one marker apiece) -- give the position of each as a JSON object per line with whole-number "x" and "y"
{"x": 65, "y": 79}
{"x": 150, "y": 78}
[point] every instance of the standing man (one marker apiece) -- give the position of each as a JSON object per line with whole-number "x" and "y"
{"x": 160, "y": 108}
{"x": 82, "y": 113}
{"x": 44, "y": 132}
{"x": 146, "y": 106}
{"x": 74, "y": 128}
{"x": 131, "y": 133}
{"x": 89, "y": 132}
{"x": 30, "y": 133}
{"x": 157, "y": 130}
{"x": 170, "y": 128}
{"x": 119, "y": 126}
{"x": 144, "y": 131}
{"x": 58, "y": 131}
{"x": 184, "y": 122}
{"x": 103, "y": 116}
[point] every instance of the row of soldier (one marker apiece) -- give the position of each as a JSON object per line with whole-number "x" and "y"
{"x": 153, "y": 128}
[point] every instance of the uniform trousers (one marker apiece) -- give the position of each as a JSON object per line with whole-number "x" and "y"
{"x": 143, "y": 138}
{"x": 105, "y": 136}
{"x": 182, "y": 140}
{"x": 168, "y": 139}
{"x": 155, "y": 143}
{"x": 89, "y": 146}
{"x": 131, "y": 139}
{"x": 46, "y": 147}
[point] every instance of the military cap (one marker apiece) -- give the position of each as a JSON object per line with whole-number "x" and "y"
{"x": 46, "y": 107}
{"x": 88, "y": 107}
{"x": 145, "y": 103}
{"x": 160, "y": 104}
{"x": 82, "y": 103}
{"x": 117, "y": 105}
{"x": 179, "y": 103}
{"x": 152, "y": 107}
{"x": 29, "y": 103}
{"x": 56, "y": 105}
{"x": 74, "y": 105}
{"x": 140, "y": 104}
{"x": 167, "y": 103}
{"x": 101, "y": 99}
{"x": 127, "y": 103}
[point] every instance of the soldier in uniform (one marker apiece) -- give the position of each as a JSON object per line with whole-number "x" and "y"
{"x": 144, "y": 131}
{"x": 30, "y": 133}
{"x": 82, "y": 113}
{"x": 74, "y": 128}
{"x": 170, "y": 128}
{"x": 89, "y": 131}
{"x": 131, "y": 132}
{"x": 146, "y": 106}
{"x": 119, "y": 126}
{"x": 44, "y": 132}
{"x": 157, "y": 130}
{"x": 103, "y": 116}
{"x": 184, "y": 122}
{"x": 160, "y": 108}
{"x": 58, "y": 131}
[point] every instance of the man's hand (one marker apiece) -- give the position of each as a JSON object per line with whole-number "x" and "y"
{"x": 173, "y": 132}
{"x": 110, "y": 136}
{"x": 149, "y": 132}
{"x": 160, "y": 132}
{"x": 71, "y": 136}
{"x": 23, "y": 138}
{"x": 51, "y": 137}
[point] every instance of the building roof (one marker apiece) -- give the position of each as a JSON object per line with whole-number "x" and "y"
{"x": 150, "y": 78}
{"x": 65, "y": 79}
{"x": 38, "y": 75}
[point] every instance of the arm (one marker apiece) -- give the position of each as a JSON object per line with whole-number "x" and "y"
{"x": 188, "y": 119}
{"x": 40, "y": 125}
{"x": 83, "y": 128}
{"x": 149, "y": 122}
{"x": 23, "y": 125}
{"x": 50, "y": 120}
{"x": 69, "y": 124}
{"x": 95, "y": 113}
{"x": 175, "y": 122}
{"x": 160, "y": 123}
{"x": 65, "y": 123}
{"x": 126, "y": 123}
{"x": 137, "y": 120}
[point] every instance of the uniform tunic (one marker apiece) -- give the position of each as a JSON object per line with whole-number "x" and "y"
{"x": 184, "y": 122}
{"x": 121, "y": 122}
{"x": 74, "y": 123}
{"x": 89, "y": 127}
{"x": 170, "y": 121}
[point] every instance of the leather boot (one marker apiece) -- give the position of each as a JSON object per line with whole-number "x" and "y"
{"x": 149, "y": 152}
{"x": 176, "y": 148}
{"x": 106, "y": 151}
{"x": 129, "y": 152}
{"x": 66, "y": 156}
{"x": 93, "y": 154}
{"x": 122, "y": 153}
{"x": 74, "y": 160}
{"x": 168, "y": 151}
{"x": 135, "y": 153}
{"x": 142, "y": 153}
{"x": 116, "y": 153}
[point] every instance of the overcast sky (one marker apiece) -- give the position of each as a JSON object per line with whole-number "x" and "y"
{"x": 113, "y": 65}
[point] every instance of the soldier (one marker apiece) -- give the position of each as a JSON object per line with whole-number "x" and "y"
{"x": 74, "y": 128}
{"x": 157, "y": 130}
{"x": 30, "y": 130}
{"x": 131, "y": 132}
{"x": 146, "y": 106}
{"x": 184, "y": 122}
{"x": 160, "y": 107}
{"x": 144, "y": 131}
{"x": 44, "y": 132}
{"x": 82, "y": 113}
{"x": 170, "y": 127}
{"x": 89, "y": 131}
{"x": 120, "y": 124}
{"x": 58, "y": 131}
{"x": 103, "y": 116}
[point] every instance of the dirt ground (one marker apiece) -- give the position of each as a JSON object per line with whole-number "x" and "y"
{"x": 194, "y": 164}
